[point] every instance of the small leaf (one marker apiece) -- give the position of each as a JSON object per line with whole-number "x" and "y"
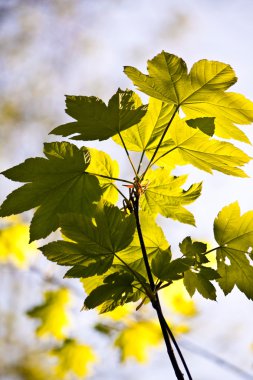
{"x": 96, "y": 121}
{"x": 198, "y": 281}
{"x": 164, "y": 195}
{"x": 234, "y": 234}
{"x": 168, "y": 271}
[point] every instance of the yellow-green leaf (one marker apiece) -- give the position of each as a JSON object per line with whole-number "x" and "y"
{"x": 73, "y": 359}
{"x": 234, "y": 234}
{"x": 135, "y": 340}
{"x": 101, "y": 163}
{"x": 164, "y": 195}
{"x": 52, "y": 313}
{"x": 203, "y": 152}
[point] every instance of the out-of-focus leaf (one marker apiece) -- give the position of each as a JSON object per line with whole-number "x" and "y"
{"x": 54, "y": 318}
{"x": 14, "y": 246}
{"x": 73, "y": 359}
{"x": 135, "y": 340}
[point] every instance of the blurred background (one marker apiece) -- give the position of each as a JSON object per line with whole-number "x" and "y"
{"x": 49, "y": 48}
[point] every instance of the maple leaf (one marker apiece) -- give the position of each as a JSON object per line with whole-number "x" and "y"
{"x": 96, "y": 121}
{"x": 56, "y": 184}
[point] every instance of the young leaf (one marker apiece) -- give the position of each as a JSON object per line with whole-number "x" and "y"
{"x": 96, "y": 121}
{"x": 198, "y": 281}
{"x": 167, "y": 270}
{"x": 164, "y": 195}
{"x": 57, "y": 185}
{"x": 198, "y": 149}
{"x": 234, "y": 234}
{"x": 95, "y": 241}
{"x": 52, "y": 313}
{"x": 194, "y": 249}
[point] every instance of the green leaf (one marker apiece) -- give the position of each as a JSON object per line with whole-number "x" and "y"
{"x": 194, "y": 249}
{"x": 204, "y": 124}
{"x": 58, "y": 184}
{"x": 201, "y": 92}
{"x": 198, "y": 281}
{"x": 196, "y": 148}
{"x": 116, "y": 290}
{"x": 167, "y": 270}
{"x": 163, "y": 195}
{"x": 234, "y": 234}
{"x": 101, "y": 163}
{"x": 96, "y": 121}
{"x": 94, "y": 241}
{"x": 154, "y": 240}
{"x": 147, "y": 132}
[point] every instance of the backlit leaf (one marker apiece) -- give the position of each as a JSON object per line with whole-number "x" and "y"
{"x": 101, "y": 163}
{"x": 96, "y": 121}
{"x": 198, "y": 149}
{"x": 148, "y": 131}
{"x": 234, "y": 234}
{"x": 57, "y": 185}
{"x": 94, "y": 241}
{"x": 163, "y": 194}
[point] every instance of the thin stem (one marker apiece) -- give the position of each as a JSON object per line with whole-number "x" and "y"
{"x": 161, "y": 140}
{"x": 118, "y": 190}
{"x": 127, "y": 153}
{"x": 112, "y": 178}
{"x": 140, "y": 163}
{"x": 155, "y": 301}
{"x": 178, "y": 350}
{"x": 165, "y": 154}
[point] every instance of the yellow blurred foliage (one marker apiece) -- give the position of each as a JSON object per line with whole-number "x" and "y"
{"x": 177, "y": 298}
{"x": 135, "y": 340}
{"x": 73, "y": 358}
{"x": 52, "y": 313}
{"x": 14, "y": 244}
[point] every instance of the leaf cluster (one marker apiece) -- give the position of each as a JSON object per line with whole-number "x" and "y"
{"x": 110, "y": 235}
